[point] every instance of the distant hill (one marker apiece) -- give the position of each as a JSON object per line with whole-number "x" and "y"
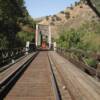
{"x": 39, "y": 19}
{"x": 71, "y": 17}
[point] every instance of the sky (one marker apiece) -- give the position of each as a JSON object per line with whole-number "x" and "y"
{"x": 40, "y": 8}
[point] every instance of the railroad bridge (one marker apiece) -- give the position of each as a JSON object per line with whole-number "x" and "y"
{"x": 43, "y": 36}
{"x": 46, "y": 75}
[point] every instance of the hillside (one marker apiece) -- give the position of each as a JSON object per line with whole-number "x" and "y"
{"x": 71, "y": 17}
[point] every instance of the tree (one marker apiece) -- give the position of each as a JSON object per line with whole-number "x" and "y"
{"x": 12, "y": 14}
{"x": 25, "y": 36}
{"x": 67, "y": 15}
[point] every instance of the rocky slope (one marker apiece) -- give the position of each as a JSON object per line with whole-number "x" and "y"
{"x": 71, "y": 17}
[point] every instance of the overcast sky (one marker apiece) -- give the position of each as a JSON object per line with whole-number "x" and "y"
{"x": 39, "y": 8}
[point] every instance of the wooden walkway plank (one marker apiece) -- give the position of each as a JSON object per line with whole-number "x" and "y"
{"x": 35, "y": 83}
{"x": 80, "y": 85}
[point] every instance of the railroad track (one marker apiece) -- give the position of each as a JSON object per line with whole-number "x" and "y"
{"x": 38, "y": 82}
{"x": 9, "y": 76}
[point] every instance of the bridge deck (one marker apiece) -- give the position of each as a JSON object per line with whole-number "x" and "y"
{"x": 80, "y": 85}
{"x": 35, "y": 83}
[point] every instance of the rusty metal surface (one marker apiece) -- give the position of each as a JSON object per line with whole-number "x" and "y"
{"x": 35, "y": 83}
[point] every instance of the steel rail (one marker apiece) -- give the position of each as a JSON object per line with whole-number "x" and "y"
{"x": 54, "y": 81}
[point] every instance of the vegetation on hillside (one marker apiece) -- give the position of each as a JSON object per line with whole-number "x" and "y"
{"x": 83, "y": 41}
{"x": 25, "y": 36}
{"x": 85, "y": 38}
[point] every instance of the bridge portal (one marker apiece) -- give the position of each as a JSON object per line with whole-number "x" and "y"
{"x": 43, "y": 36}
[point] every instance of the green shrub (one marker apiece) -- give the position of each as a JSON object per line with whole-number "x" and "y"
{"x": 67, "y": 15}
{"x": 91, "y": 62}
{"x": 47, "y": 17}
{"x": 52, "y": 23}
{"x": 25, "y": 36}
{"x": 3, "y": 41}
{"x": 62, "y": 12}
{"x": 58, "y": 18}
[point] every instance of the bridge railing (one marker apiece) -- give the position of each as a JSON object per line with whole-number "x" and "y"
{"x": 78, "y": 60}
{"x": 7, "y": 55}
